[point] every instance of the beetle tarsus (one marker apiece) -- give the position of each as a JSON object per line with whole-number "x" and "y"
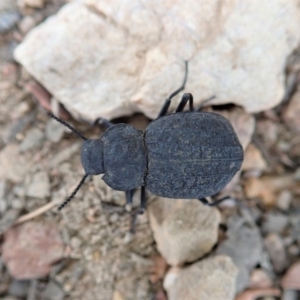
{"x": 102, "y": 121}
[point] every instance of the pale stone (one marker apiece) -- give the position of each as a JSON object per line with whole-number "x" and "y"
{"x": 114, "y": 58}
{"x": 14, "y": 166}
{"x": 32, "y": 3}
{"x": 209, "y": 279}
{"x": 39, "y": 186}
{"x": 184, "y": 230}
{"x": 253, "y": 159}
{"x": 291, "y": 114}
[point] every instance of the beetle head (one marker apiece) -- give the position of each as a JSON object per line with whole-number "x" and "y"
{"x": 91, "y": 157}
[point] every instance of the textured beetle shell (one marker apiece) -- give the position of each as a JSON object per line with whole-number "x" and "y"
{"x": 124, "y": 157}
{"x": 191, "y": 155}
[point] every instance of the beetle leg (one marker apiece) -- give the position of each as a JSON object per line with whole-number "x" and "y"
{"x": 184, "y": 100}
{"x": 103, "y": 122}
{"x": 143, "y": 200}
{"x": 129, "y": 196}
{"x": 135, "y": 213}
{"x": 167, "y": 103}
{"x": 205, "y": 202}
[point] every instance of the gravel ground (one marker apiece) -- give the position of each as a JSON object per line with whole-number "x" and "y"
{"x": 87, "y": 250}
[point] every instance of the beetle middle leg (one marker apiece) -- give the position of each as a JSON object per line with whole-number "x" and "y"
{"x": 167, "y": 103}
{"x": 129, "y": 196}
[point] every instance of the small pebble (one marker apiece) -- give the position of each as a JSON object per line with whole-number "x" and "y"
{"x": 293, "y": 250}
{"x": 284, "y": 200}
{"x": 75, "y": 242}
{"x": 113, "y": 218}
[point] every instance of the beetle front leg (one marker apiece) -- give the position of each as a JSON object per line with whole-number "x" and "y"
{"x": 187, "y": 97}
{"x": 167, "y": 103}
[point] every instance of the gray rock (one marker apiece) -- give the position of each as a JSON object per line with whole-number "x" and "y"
{"x": 39, "y": 186}
{"x": 32, "y": 139}
{"x": 276, "y": 250}
{"x": 291, "y": 113}
{"x": 3, "y": 200}
{"x": 8, "y": 220}
{"x": 184, "y": 230}
{"x": 209, "y": 279}
{"x": 239, "y": 245}
{"x": 274, "y": 222}
{"x": 294, "y": 220}
{"x": 6, "y": 51}
{"x": 106, "y": 41}
{"x": 289, "y": 295}
{"x": 8, "y": 20}
{"x": 19, "y": 288}
{"x": 53, "y": 292}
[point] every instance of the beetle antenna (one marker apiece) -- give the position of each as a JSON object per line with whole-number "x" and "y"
{"x": 67, "y": 125}
{"x": 74, "y": 192}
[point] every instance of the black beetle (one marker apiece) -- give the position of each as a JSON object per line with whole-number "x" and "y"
{"x": 184, "y": 155}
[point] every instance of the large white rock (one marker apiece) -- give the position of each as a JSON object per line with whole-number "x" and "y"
{"x": 114, "y": 58}
{"x": 184, "y": 230}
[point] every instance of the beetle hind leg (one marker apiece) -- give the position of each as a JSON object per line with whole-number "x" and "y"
{"x": 143, "y": 200}
{"x": 215, "y": 203}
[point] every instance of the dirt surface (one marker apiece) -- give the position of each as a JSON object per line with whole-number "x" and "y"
{"x": 100, "y": 259}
